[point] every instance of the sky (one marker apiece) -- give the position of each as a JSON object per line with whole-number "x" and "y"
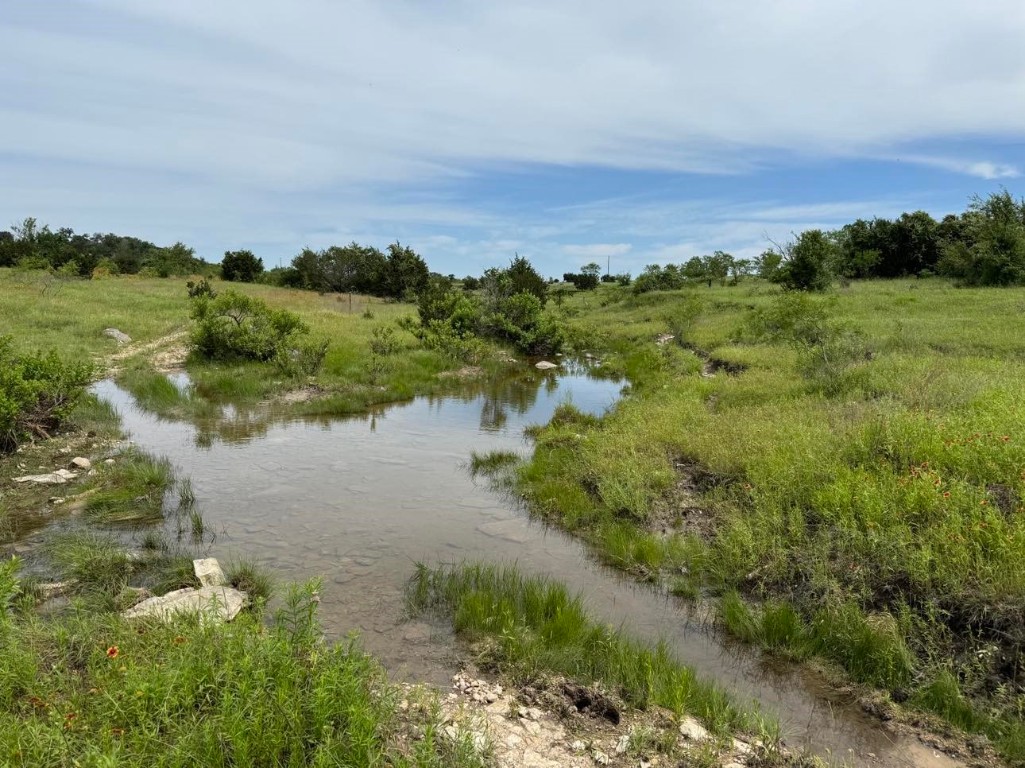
{"x": 567, "y": 131}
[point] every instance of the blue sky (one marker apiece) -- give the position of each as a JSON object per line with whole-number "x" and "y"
{"x": 564, "y": 130}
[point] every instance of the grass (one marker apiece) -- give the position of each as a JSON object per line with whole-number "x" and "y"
{"x": 131, "y": 490}
{"x": 863, "y": 495}
{"x": 95, "y": 690}
{"x": 534, "y": 626}
{"x": 70, "y": 316}
{"x": 492, "y": 462}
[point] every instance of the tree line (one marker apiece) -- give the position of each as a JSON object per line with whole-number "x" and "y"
{"x": 984, "y": 245}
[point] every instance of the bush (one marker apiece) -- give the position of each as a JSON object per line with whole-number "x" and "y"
{"x": 521, "y": 320}
{"x": 241, "y": 266}
{"x": 37, "y": 392}
{"x": 234, "y": 326}
{"x": 807, "y": 263}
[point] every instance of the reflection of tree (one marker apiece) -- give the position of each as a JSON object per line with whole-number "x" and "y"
{"x": 515, "y": 392}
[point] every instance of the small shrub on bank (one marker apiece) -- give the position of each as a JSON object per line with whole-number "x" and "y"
{"x": 235, "y": 326}
{"x": 37, "y": 392}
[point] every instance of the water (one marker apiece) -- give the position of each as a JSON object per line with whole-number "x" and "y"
{"x": 357, "y": 501}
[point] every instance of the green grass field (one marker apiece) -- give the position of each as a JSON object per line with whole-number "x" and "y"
{"x": 863, "y": 492}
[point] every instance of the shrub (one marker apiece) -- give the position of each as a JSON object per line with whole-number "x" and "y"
{"x": 37, "y": 392}
{"x": 241, "y": 266}
{"x": 807, "y": 263}
{"x": 234, "y": 326}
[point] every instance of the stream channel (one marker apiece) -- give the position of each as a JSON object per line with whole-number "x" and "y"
{"x": 358, "y": 500}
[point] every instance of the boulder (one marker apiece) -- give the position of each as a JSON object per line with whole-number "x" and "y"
{"x": 80, "y": 462}
{"x": 209, "y": 572}
{"x": 692, "y": 730}
{"x": 215, "y": 604}
{"x": 544, "y": 365}
{"x": 119, "y": 336}
{"x": 59, "y": 477}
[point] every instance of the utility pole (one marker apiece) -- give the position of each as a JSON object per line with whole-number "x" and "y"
{"x": 608, "y": 266}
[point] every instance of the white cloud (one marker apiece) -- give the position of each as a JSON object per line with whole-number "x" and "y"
{"x": 283, "y": 124}
{"x": 982, "y": 169}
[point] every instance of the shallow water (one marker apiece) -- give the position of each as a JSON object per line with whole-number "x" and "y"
{"x": 357, "y": 501}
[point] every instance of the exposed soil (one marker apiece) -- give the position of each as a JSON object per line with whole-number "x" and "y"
{"x": 167, "y": 353}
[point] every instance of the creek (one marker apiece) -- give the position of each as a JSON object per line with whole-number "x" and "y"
{"x": 357, "y": 501}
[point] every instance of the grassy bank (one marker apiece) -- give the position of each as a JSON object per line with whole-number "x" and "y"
{"x": 94, "y": 690}
{"x": 852, "y": 466}
{"x": 369, "y": 358}
{"x": 530, "y": 628}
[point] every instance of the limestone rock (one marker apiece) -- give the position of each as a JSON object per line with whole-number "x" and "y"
{"x": 80, "y": 462}
{"x": 59, "y": 477}
{"x": 209, "y": 572}
{"x": 544, "y": 365}
{"x": 119, "y": 336}
{"x": 212, "y": 603}
{"x": 692, "y": 730}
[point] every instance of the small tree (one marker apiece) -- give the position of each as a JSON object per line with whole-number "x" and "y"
{"x": 992, "y": 251}
{"x": 717, "y": 267}
{"x": 240, "y": 266}
{"x": 807, "y": 263}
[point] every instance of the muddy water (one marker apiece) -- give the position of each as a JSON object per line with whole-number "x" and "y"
{"x": 357, "y": 501}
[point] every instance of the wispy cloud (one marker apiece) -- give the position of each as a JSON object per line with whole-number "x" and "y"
{"x": 982, "y": 169}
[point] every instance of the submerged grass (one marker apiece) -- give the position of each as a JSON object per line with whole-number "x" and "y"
{"x": 534, "y": 626}
{"x": 492, "y": 462}
{"x": 131, "y": 490}
{"x": 855, "y": 493}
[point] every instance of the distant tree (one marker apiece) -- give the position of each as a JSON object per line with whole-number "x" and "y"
{"x": 523, "y": 278}
{"x": 992, "y": 251}
{"x": 471, "y": 283}
{"x": 739, "y": 269}
{"x": 807, "y": 263}
{"x": 406, "y": 273}
{"x": 695, "y": 270}
{"x": 241, "y": 266}
{"x": 717, "y": 267}
{"x": 586, "y": 279}
{"x": 767, "y": 264}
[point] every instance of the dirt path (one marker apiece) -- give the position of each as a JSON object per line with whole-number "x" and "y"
{"x": 167, "y": 353}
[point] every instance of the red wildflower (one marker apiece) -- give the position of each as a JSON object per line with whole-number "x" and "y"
{"x": 113, "y": 652}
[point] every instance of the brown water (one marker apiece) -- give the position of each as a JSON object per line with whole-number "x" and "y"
{"x": 357, "y": 501}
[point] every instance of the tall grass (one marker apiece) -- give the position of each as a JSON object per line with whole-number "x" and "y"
{"x": 92, "y": 689}
{"x": 131, "y": 490}
{"x": 534, "y": 626}
{"x": 874, "y": 515}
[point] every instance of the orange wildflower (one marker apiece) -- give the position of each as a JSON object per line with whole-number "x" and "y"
{"x": 113, "y": 652}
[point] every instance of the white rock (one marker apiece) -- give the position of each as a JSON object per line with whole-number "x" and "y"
{"x": 212, "y": 603}
{"x": 119, "y": 336}
{"x": 623, "y": 744}
{"x": 80, "y": 462}
{"x": 209, "y": 572}
{"x": 600, "y": 757}
{"x": 108, "y": 462}
{"x": 742, "y": 747}
{"x": 544, "y": 365}
{"x": 693, "y": 730}
{"x": 578, "y": 746}
{"x": 59, "y": 477}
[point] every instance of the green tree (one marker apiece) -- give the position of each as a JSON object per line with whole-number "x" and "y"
{"x": 241, "y": 266}
{"x": 807, "y": 263}
{"x": 406, "y": 273}
{"x": 992, "y": 251}
{"x": 717, "y": 267}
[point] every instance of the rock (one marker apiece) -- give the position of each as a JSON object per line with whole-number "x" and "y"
{"x": 664, "y": 338}
{"x": 544, "y": 365}
{"x": 600, "y": 757}
{"x": 119, "y": 336}
{"x": 212, "y": 603}
{"x": 692, "y": 730}
{"x": 578, "y": 746}
{"x": 80, "y": 462}
{"x": 623, "y": 744}
{"x": 53, "y": 589}
{"x": 742, "y": 748}
{"x": 209, "y": 572}
{"x": 108, "y": 462}
{"x": 59, "y": 477}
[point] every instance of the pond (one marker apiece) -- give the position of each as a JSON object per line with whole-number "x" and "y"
{"x": 358, "y": 501}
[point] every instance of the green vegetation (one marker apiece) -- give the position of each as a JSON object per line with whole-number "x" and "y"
{"x": 93, "y": 689}
{"x": 37, "y": 393}
{"x": 533, "y": 626}
{"x": 235, "y": 326}
{"x": 241, "y": 266}
{"x": 851, "y": 466}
